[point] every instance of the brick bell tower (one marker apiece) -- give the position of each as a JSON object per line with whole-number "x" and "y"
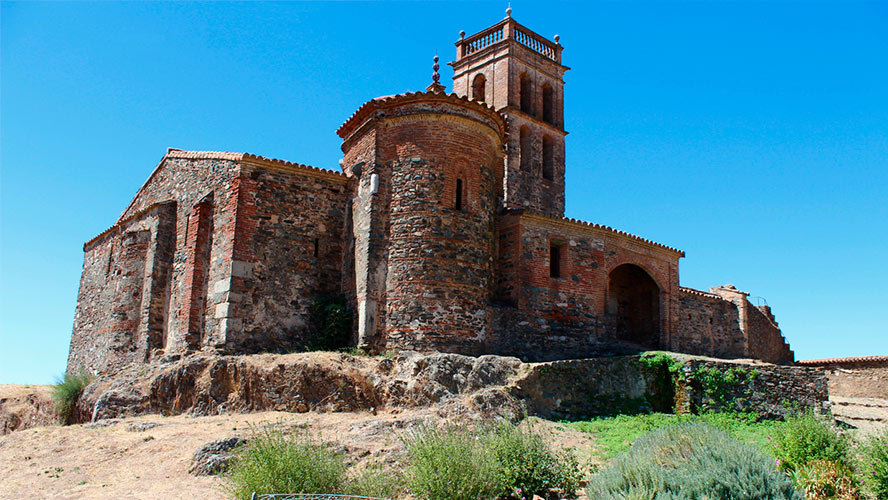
{"x": 520, "y": 74}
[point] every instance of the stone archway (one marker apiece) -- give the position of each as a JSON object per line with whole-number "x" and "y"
{"x": 633, "y": 298}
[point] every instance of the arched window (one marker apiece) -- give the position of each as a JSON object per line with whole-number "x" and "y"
{"x": 548, "y": 158}
{"x": 525, "y": 149}
{"x": 526, "y": 94}
{"x": 478, "y": 87}
{"x": 458, "y": 204}
{"x": 548, "y": 104}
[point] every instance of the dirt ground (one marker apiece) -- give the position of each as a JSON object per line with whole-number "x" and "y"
{"x": 149, "y": 456}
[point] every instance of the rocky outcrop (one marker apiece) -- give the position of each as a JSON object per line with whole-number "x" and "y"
{"x": 452, "y": 385}
{"x": 23, "y": 407}
{"x": 214, "y": 458}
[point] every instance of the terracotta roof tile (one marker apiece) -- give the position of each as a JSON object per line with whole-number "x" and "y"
{"x": 879, "y": 358}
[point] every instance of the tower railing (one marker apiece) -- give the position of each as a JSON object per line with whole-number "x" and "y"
{"x": 508, "y": 29}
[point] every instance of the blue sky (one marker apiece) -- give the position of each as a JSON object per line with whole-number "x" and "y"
{"x": 752, "y": 135}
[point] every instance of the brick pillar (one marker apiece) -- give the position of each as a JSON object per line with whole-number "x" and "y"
{"x": 198, "y": 242}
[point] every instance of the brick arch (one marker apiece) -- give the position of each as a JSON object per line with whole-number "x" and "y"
{"x": 635, "y": 302}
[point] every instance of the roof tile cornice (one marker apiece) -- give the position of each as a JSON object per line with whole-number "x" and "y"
{"x": 366, "y": 110}
{"x": 604, "y": 229}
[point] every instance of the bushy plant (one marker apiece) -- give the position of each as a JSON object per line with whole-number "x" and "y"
{"x": 331, "y": 324}
{"x": 450, "y": 463}
{"x": 502, "y": 460}
{"x": 822, "y": 479}
{"x": 272, "y": 462}
{"x": 690, "y": 461}
{"x": 527, "y": 465}
{"x": 375, "y": 482}
{"x": 874, "y": 464}
{"x": 805, "y": 438}
{"x": 66, "y": 392}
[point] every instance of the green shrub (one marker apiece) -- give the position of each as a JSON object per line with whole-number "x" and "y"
{"x": 66, "y": 392}
{"x": 722, "y": 390}
{"x": 274, "y": 463}
{"x": 451, "y": 463}
{"x": 874, "y": 464}
{"x": 805, "y": 438}
{"x": 454, "y": 463}
{"x": 667, "y": 371}
{"x": 331, "y": 324}
{"x": 822, "y": 479}
{"x": 375, "y": 482}
{"x": 528, "y": 465}
{"x": 691, "y": 461}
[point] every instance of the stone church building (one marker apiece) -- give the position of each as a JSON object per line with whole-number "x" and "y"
{"x": 444, "y": 230}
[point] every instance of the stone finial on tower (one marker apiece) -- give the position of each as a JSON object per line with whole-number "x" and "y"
{"x": 509, "y": 10}
{"x": 436, "y": 86}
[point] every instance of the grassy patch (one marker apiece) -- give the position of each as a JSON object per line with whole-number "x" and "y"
{"x": 615, "y": 434}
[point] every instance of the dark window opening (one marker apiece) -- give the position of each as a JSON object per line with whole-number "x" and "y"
{"x": 525, "y": 149}
{"x": 459, "y": 195}
{"x": 548, "y": 158}
{"x": 478, "y": 85}
{"x": 316, "y": 247}
{"x": 526, "y": 95}
{"x": 555, "y": 260}
{"x": 548, "y": 104}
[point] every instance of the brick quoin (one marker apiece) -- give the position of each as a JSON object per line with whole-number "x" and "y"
{"x": 439, "y": 232}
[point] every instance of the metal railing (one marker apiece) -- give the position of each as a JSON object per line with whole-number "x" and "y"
{"x": 309, "y": 496}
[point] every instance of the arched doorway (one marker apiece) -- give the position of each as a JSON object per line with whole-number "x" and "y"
{"x": 633, "y": 298}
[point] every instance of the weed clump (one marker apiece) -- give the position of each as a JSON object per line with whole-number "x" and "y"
{"x": 823, "y": 479}
{"x": 688, "y": 461}
{"x": 805, "y": 438}
{"x": 66, "y": 392}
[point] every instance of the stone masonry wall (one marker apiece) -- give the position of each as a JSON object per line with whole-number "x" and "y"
{"x": 708, "y": 324}
{"x": 292, "y": 230}
{"x": 766, "y": 342}
{"x": 190, "y": 178}
{"x": 122, "y": 302}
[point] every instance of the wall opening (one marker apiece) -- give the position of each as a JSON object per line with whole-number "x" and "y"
{"x": 526, "y": 94}
{"x": 548, "y": 104}
{"x": 525, "y": 149}
{"x": 557, "y": 255}
{"x": 478, "y": 85}
{"x": 633, "y": 297}
{"x": 459, "y": 195}
{"x": 548, "y": 158}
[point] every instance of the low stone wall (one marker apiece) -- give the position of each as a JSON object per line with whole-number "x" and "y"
{"x": 772, "y": 391}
